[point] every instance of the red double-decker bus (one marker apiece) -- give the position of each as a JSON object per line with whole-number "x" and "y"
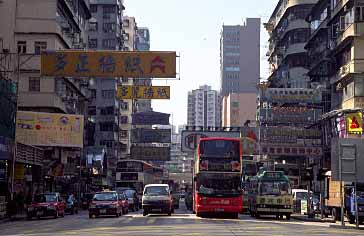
{"x": 217, "y": 177}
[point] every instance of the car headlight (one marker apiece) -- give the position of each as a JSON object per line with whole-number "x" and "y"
{"x": 92, "y": 206}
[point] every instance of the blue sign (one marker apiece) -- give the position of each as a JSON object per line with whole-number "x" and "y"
{"x": 6, "y": 148}
{"x": 150, "y": 118}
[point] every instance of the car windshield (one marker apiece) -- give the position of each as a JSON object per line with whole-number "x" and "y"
{"x": 129, "y": 193}
{"x": 301, "y": 196}
{"x": 218, "y": 185}
{"x": 274, "y": 188}
{"x": 40, "y": 198}
{"x": 156, "y": 190}
{"x": 105, "y": 197}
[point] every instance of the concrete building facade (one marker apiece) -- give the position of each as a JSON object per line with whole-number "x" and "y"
{"x": 238, "y": 109}
{"x": 239, "y": 57}
{"x": 204, "y": 107}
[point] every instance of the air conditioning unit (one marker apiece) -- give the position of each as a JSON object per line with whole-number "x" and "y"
{"x": 339, "y": 86}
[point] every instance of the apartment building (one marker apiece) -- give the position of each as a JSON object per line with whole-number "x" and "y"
{"x": 105, "y": 33}
{"x": 26, "y": 29}
{"x": 204, "y": 107}
{"x": 288, "y": 34}
{"x": 239, "y": 57}
{"x": 238, "y": 109}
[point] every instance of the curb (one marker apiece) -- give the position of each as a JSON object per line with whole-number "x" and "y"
{"x": 346, "y": 227}
{"x": 312, "y": 219}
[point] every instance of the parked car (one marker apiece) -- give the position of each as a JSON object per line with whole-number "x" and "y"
{"x": 71, "y": 205}
{"x": 86, "y": 200}
{"x": 133, "y": 199}
{"x": 45, "y": 205}
{"x": 123, "y": 199}
{"x": 157, "y": 198}
{"x": 105, "y": 203}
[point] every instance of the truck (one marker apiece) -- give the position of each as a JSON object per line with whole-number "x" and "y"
{"x": 333, "y": 203}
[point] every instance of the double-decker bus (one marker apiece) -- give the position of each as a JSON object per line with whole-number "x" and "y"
{"x": 269, "y": 193}
{"x": 135, "y": 174}
{"x": 217, "y": 177}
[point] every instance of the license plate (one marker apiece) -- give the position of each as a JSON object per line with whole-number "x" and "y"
{"x": 156, "y": 210}
{"x": 219, "y": 210}
{"x": 39, "y": 213}
{"x": 103, "y": 211}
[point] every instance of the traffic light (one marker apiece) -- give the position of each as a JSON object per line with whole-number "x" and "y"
{"x": 321, "y": 174}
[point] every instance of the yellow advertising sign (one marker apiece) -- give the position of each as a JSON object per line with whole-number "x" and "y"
{"x": 49, "y": 129}
{"x": 354, "y": 122}
{"x": 109, "y": 64}
{"x": 143, "y": 92}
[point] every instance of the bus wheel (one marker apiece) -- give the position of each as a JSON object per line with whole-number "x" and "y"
{"x": 288, "y": 216}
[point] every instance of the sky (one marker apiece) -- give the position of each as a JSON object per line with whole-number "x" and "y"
{"x": 192, "y": 29}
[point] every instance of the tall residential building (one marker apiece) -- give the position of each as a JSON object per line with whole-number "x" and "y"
{"x": 288, "y": 34}
{"x": 105, "y": 33}
{"x": 26, "y": 29}
{"x": 143, "y": 44}
{"x": 239, "y": 57}
{"x": 204, "y": 107}
{"x": 238, "y": 109}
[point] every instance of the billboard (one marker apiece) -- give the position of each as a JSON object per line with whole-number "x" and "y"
{"x": 150, "y": 153}
{"x": 287, "y": 150}
{"x": 354, "y": 123}
{"x": 292, "y": 95}
{"x": 289, "y": 114}
{"x": 49, "y": 129}
{"x": 291, "y": 135}
{"x": 349, "y": 154}
{"x": 109, "y": 64}
{"x": 190, "y": 139}
{"x": 249, "y": 140}
{"x": 142, "y": 135}
{"x": 143, "y": 92}
{"x": 150, "y": 118}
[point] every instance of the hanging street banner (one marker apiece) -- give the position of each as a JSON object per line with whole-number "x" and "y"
{"x": 146, "y": 64}
{"x": 354, "y": 123}
{"x": 49, "y": 129}
{"x": 143, "y": 92}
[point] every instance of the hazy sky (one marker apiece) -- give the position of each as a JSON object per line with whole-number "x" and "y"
{"x": 192, "y": 29}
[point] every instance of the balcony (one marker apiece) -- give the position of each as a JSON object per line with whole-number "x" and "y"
{"x": 294, "y": 48}
{"x": 41, "y": 99}
{"x": 353, "y": 30}
{"x": 339, "y": 5}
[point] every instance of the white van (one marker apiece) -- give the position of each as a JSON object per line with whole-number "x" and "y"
{"x": 157, "y": 198}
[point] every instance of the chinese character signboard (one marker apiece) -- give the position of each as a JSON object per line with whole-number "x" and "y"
{"x": 354, "y": 123}
{"x": 109, "y": 64}
{"x": 143, "y": 92}
{"x": 150, "y": 118}
{"x": 49, "y": 129}
{"x": 150, "y": 153}
{"x": 6, "y": 148}
{"x": 286, "y": 150}
{"x": 151, "y": 136}
{"x": 292, "y": 95}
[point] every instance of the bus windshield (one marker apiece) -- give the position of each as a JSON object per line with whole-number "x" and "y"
{"x": 218, "y": 186}
{"x": 274, "y": 188}
{"x": 220, "y": 148}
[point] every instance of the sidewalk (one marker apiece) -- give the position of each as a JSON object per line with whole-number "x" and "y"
{"x": 347, "y": 226}
{"x": 315, "y": 219}
{"x": 13, "y": 218}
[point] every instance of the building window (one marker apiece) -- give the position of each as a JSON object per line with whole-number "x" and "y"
{"x": 107, "y": 110}
{"x": 126, "y": 36}
{"x": 123, "y": 119}
{"x": 106, "y": 126}
{"x": 123, "y": 147}
{"x": 108, "y": 9}
{"x": 34, "y": 84}
{"x": 92, "y": 43}
{"x": 124, "y": 133}
{"x": 107, "y": 143}
{"x": 107, "y": 93}
{"x": 232, "y": 68}
{"x": 126, "y": 23}
{"x": 93, "y": 8}
{"x": 39, "y": 47}
{"x": 109, "y": 27}
{"x": 125, "y": 80}
{"x": 93, "y": 26}
{"x": 359, "y": 14}
{"x": 124, "y": 106}
{"x": 233, "y": 54}
{"x": 22, "y": 47}
{"x": 109, "y": 43}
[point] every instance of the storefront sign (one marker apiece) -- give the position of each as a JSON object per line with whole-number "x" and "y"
{"x": 150, "y": 118}
{"x": 49, "y": 129}
{"x": 143, "y": 92}
{"x": 19, "y": 172}
{"x": 292, "y": 95}
{"x": 6, "y": 148}
{"x": 151, "y": 135}
{"x": 286, "y": 150}
{"x": 289, "y": 114}
{"x": 109, "y": 64}
{"x": 354, "y": 123}
{"x": 150, "y": 153}
{"x": 291, "y": 135}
